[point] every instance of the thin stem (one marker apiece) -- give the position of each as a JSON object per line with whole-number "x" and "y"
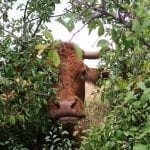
{"x": 16, "y": 38}
{"x": 37, "y": 28}
{"x": 74, "y": 34}
{"x": 25, "y": 21}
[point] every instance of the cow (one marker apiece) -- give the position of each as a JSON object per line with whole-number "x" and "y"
{"x": 73, "y": 73}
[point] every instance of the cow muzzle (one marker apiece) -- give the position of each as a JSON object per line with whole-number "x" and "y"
{"x": 67, "y": 111}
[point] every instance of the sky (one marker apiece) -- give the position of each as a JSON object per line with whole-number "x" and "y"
{"x": 82, "y": 39}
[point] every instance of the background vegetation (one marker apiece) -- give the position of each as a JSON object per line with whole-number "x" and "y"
{"x": 127, "y": 92}
{"x": 26, "y": 81}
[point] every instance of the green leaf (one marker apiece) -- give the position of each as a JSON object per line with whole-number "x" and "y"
{"x": 145, "y": 96}
{"x": 91, "y": 27}
{"x": 140, "y": 147}
{"x": 9, "y": 71}
{"x": 41, "y": 48}
{"x": 48, "y": 35}
{"x": 122, "y": 84}
{"x": 114, "y": 34}
{"x": 136, "y": 27}
{"x": 69, "y": 24}
{"x": 20, "y": 118}
{"x": 103, "y": 43}
{"x": 5, "y": 16}
{"x": 142, "y": 86}
{"x": 129, "y": 96}
{"x": 12, "y": 120}
{"x": 54, "y": 57}
{"x": 79, "y": 52}
{"x": 100, "y": 29}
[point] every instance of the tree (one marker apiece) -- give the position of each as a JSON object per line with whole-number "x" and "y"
{"x": 27, "y": 77}
{"x": 127, "y": 91}
{"x": 26, "y": 80}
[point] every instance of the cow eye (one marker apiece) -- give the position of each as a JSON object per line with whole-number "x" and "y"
{"x": 83, "y": 75}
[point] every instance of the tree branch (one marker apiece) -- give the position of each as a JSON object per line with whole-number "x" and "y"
{"x": 37, "y": 28}
{"x": 58, "y": 15}
{"x": 101, "y": 13}
{"x": 74, "y": 34}
{"x": 25, "y": 22}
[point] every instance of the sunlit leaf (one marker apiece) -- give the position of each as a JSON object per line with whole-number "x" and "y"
{"x": 129, "y": 96}
{"x": 20, "y": 118}
{"x": 142, "y": 85}
{"x": 136, "y": 27}
{"x": 145, "y": 96}
{"x": 54, "y": 57}
{"x": 12, "y": 120}
{"x": 79, "y": 52}
{"x": 140, "y": 147}
{"x": 41, "y": 46}
{"x": 48, "y": 35}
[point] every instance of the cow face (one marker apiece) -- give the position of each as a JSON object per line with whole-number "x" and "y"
{"x": 71, "y": 89}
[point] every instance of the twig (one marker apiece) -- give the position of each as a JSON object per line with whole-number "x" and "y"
{"x": 53, "y": 16}
{"x": 59, "y": 15}
{"x": 37, "y": 28}
{"x": 16, "y": 38}
{"x": 25, "y": 22}
{"x": 104, "y": 13}
{"x": 74, "y": 34}
{"x": 29, "y": 21}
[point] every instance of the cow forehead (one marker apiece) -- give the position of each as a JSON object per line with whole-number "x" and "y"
{"x": 71, "y": 67}
{"x": 70, "y": 51}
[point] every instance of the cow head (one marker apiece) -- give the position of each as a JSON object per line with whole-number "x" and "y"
{"x": 71, "y": 89}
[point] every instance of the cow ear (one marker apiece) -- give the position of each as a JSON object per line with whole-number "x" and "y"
{"x": 93, "y": 75}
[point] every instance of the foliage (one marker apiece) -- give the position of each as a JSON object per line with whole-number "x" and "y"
{"x": 127, "y": 92}
{"x": 27, "y": 76}
{"x": 57, "y": 141}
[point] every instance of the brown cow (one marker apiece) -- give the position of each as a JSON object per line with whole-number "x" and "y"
{"x": 71, "y": 89}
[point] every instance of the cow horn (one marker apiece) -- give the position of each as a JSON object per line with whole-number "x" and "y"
{"x": 91, "y": 55}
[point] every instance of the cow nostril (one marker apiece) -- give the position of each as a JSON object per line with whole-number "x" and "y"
{"x": 74, "y": 103}
{"x": 57, "y": 105}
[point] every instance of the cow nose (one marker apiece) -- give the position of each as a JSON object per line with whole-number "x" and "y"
{"x": 67, "y": 104}
{"x": 67, "y": 110}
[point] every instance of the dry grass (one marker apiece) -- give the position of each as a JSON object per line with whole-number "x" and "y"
{"x": 94, "y": 110}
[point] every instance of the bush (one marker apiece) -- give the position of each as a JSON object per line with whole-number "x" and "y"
{"x": 127, "y": 92}
{"x": 127, "y": 125}
{"x": 26, "y": 83}
{"x": 26, "y": 78}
